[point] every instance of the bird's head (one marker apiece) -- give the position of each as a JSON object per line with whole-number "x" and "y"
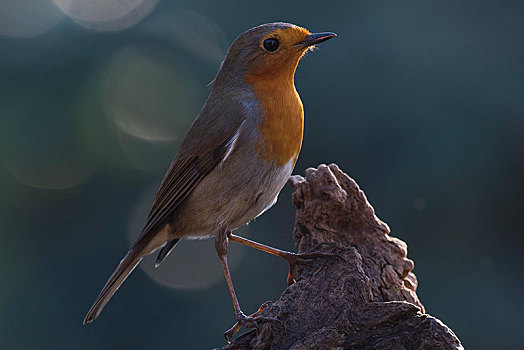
{"x": 269, "y": 51}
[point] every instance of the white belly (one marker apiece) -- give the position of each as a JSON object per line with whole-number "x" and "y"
{"x": 282, "y": 176}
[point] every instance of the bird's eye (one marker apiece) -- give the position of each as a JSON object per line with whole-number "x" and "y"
{"x": 271, "y": 44}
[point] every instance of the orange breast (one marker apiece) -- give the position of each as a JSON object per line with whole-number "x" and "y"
{"x": 282, "y": 124}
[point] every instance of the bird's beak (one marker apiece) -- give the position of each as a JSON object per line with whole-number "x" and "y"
{"x": 315, "y": 38}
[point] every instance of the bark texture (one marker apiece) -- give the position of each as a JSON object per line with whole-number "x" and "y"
{"x": 366, "y": 299}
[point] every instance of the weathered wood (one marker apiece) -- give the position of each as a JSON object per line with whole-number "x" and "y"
{"x": 367, "y": 300}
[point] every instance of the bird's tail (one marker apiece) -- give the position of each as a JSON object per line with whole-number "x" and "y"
{"x": 126, "y": 266}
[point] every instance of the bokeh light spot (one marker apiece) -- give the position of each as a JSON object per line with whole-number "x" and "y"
{"x": 199, "y": 35}
{"x": 27, "y": 18}
{"x": 151, "y": 100}
{"x": 146, "y": 97}
{"x": 111, "y": 15}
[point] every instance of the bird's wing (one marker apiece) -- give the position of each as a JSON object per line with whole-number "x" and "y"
{"x": 208, "y": 143}
{"x": 190, "y": 167}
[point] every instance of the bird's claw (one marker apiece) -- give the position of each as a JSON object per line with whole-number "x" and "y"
{"x": 251, "y": 321}
{"x": 298, "y": 258}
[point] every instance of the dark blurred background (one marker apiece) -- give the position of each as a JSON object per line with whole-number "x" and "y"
{"x": 421, "y": 102}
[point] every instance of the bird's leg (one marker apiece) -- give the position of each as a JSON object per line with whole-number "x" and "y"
{"x": 292, "y": 258}
{"x": 242, "y": 320}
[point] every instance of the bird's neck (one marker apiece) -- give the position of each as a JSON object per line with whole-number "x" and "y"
{"x": 282, "y": 122}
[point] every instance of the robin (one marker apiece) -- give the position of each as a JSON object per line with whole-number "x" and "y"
{"x": 234, "y": 160}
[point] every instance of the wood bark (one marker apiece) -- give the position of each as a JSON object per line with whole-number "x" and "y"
{"x": 364, "y": 300}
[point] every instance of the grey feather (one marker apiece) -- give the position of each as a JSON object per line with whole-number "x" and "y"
{"x": 165, "y": 251}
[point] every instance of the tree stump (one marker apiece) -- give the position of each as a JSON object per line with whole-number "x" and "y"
{"x": 364, "y": 300}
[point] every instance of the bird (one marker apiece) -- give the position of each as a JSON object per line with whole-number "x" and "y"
{"x": 233, "y": 162}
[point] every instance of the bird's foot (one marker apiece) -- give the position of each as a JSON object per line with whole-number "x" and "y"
{"x": 251, "y": 321}
{"x": 299, "y": 258}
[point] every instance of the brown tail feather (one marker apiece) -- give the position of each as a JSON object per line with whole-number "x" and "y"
{"x": 126, "y": 266}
